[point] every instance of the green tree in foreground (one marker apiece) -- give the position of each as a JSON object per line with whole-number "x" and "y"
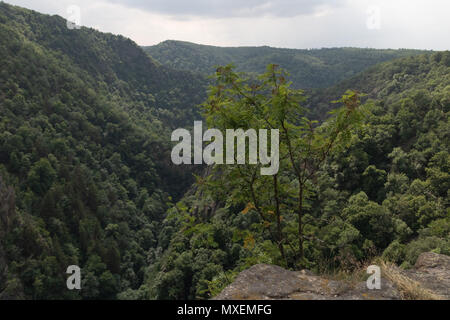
{"x": 268, "y": 102}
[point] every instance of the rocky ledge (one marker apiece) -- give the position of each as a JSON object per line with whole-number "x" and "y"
{"x": 263, "y": 281}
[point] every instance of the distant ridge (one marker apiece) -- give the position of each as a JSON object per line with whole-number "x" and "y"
{"x": 309, "y": 68}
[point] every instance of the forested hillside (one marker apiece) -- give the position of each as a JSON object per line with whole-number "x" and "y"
{"x": 86, "y": 176}
{"x": 315, "y": 68}
{"x": 385, "y": 194}
{"x": 84, "y": 160}
{"x": 388, "y": 81}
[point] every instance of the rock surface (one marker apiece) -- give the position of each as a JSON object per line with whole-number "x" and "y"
{"x": 432, "y": 271}
{"x": 263, "y": 281}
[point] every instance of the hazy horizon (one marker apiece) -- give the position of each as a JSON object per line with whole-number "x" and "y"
{"x": 287, "y": 48}
{"x": 379, "y": 24}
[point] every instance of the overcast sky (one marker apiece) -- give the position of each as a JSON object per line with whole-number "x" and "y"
{"x": 421, "y": 24}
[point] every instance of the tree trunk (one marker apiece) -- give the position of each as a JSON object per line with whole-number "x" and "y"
{"x": 300, "y": 226}
{"x": 278, "y": 214}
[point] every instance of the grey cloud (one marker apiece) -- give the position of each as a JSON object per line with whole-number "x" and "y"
{"x": 229, "y": 8}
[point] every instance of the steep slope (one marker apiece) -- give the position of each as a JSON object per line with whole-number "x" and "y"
{"x": 86, "y": 177}
{"x": 316, "y": 68}
{"x": 114, "y": 63}
{"x": 390, "y": 81}
{"x": 85, "y": 122}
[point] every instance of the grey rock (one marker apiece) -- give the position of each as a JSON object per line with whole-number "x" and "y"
{"x": 263, "y": 281}
{"x": 432, "y": 271}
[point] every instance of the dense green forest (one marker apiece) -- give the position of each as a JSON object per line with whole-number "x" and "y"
{"x": 84, "y": 118}
{"x": 385, "y": 194}
{"x": 86, "y": 176}
{"x": 314, "y": 68}
{"x": 386, "y": 81}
